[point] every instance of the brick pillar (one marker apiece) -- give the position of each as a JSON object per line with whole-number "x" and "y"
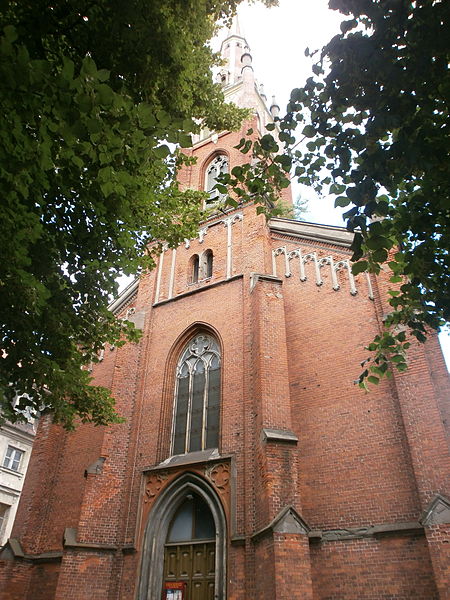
{"x": 438, "y": 538}
{"x": 85, "y": 574}
{"x": 430, "y": 456}
{"x": 291, "y": 579}
{"x": 93, "y": 557}
{"x": 280, "y": 534}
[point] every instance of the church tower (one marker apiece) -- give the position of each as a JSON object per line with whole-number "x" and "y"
{"x": 249, "y": 464}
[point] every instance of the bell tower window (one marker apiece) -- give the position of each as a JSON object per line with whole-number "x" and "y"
{"x": 216, "y": 167}
{"x": 197, "y": 397}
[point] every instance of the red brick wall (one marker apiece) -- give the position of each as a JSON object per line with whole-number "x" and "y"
{"x": 15, "y": 577}
{"x": 290, "y": 353}
{"x": 44, "y": 581}
{"x": 373, "y": 569}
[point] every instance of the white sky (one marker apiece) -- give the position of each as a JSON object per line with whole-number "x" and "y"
{"x": 277, "y": 38}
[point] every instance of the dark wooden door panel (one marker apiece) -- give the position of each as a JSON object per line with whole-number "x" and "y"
{"x": 194, "y": 564}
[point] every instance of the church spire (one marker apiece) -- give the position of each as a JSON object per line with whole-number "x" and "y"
{"x": 233, "y": 50}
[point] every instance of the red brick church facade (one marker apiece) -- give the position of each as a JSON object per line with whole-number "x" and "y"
{"x": 249, "y": 465}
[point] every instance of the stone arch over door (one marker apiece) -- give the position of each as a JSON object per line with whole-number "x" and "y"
{"x": 160, "y": 518}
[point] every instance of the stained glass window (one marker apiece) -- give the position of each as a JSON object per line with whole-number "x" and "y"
{"x": 197, "y": 397}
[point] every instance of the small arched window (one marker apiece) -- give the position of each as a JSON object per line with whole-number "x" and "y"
{"x": 206, "y": 268}
{"x": 218, "y": 165}
{"x": 194, "y": 265}
{"x": 197, "y": 396}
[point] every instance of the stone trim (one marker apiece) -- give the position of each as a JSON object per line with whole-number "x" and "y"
{"x": 317, "y": 244}
{"x": 70, "y": 541}
{"x": 312, "y": 231}
{"x": 287, "y": 521}
{"x": 237, "y": 540}
{"x": 255, "y": 277}
{"x": 13, "y": 550}
{"x": 126, "y": 296}
{"x": 192, "y": 458}
{"x": 437, "y": 512}
{"x": 278, "y": 435}
{"x": 369, "y": 531}
{"x": 197, "y": 290}
{"x": 151, "y": 572}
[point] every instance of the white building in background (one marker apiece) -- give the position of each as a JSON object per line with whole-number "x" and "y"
{"x": 16, "y": 442}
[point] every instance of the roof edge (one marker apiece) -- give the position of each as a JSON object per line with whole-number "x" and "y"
{"x": 312, "y": 231}
{"x": 116, "y": 305}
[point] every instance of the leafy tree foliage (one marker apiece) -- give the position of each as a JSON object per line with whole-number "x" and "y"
{"x": 92, "y": 93}
{"x": 374, "y": 123}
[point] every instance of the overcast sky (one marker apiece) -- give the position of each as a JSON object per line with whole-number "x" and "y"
{"x": 277, "y": 38}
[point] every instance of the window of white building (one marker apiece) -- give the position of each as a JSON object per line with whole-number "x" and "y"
{"x": 13, "y": 458}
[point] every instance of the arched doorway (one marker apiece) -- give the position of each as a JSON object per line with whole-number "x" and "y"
{"x": 189, "y": 554}
{"x": 178, "y": 545}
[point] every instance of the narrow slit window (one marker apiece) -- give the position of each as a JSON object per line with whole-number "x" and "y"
{"x": 194, "y": 265}
{"x": 206, "y": 267}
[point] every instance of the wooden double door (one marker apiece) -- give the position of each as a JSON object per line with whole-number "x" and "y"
{"x": 193, "y": 563}
{"x": 190, "y": 549}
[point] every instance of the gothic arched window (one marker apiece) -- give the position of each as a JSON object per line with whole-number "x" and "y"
{"x": 197, "y": 396}
{"x": 218, "y": 165}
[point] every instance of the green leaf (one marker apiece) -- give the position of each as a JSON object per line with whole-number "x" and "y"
{"x": 309, "y": 131}
{"x": 162, "y": 151}
{"x": 380, "y": 255}
{"x": 106, "y": 95}
{"x": 146, "y": 115}
{"x": 397, "y": 358}
{"x": 359, "y": 267}
{"x": 341, "y": 201}
{"x": 268, "y": 143}
{"x": 89, "y": 67}
{"x": 185, "y": 140}
{"x": 68, "y": 69}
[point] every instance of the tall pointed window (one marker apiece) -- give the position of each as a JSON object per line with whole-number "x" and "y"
{"x": 197, "y": 397}
{"x": 218, "y": 165}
